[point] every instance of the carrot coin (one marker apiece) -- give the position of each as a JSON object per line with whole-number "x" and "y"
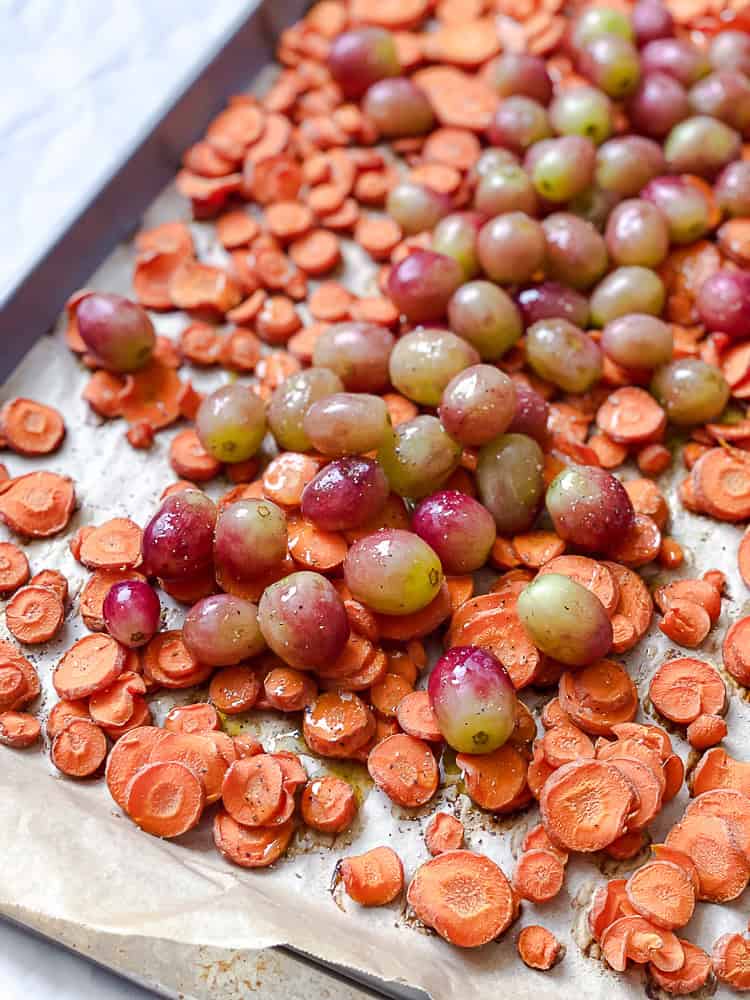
{"x": 598, "y": 697}
{"x": 637, "y": 939}
{"x": 189, "y": 458}
{"x": 386, "y": 695}
{"x": 62, "y": 713}
{"x": 31, "y": 428}
{"x": 701, "y": 592}
{"x": 337, "y": 724}
{"x": 444, "y": 833}
{"x": 416, "y": 717}
{"x": 316, "y": 253}
{"x": 537, "y": 840}
{"x": 128, "y": 755}
{"x": 34, "y": 615}
{"x": 168, "y": 662}
{"x": 328, "y": 804}
{"x": 289, "y": 690}
{"x": 686, "y": 623}
{"x": 375, "y": 878}
{"x": 539, "y": 876}
{"x": 723, "y": 870}
{"x": 14, "y": 568}
{"x": 19, "y": 730}
{"x": 736, "y": 650}
{"x": 252, "y": 790}
{"x": 585, "y": 805}
{"x": 685, "y": 688}
{"x": 115, "y": 705}
{"x": 116, "y": 544}
{"x": 663, "y": 893}
{"x": 313, "y": 547}
{"x": 38, "y": 504}
{"x": 730, "y": 959}
{"x": 721, "y": 483}
{"x": 405, "y": 769}
{"x": 80, "y": 749}
{"x": 494, "y": 780}
{"x": 90, "y": 665}
{"x": 694, "y": 973}
{"x": 165, "y": 799}
{"x": 235, "y": 689}
{"x": 594, "y": 576}
{"x": 538, "y": 948}
{"x": 464, "y": 896}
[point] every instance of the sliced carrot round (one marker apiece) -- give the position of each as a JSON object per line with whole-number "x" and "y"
{"x": 444, "y": 833}
{"x": 635, "y": 938}
{"x": 247, "y": 847}
{"x": 539, "y": 876}
{"x": 598, "y": 697}
{"x": 538, "y": 948}
{"x": 694, "y": 973}
{"x": 328, "y": 804}
{"x": 465, "y": 897}
{"x": 19, "y": 730}
{"x": 663, "y": 893}
{"x": 90, "y": 665}
{"x": 115, "y": 705}
{"x": 405, "y": 769}
{"x": 63, "y": 712}
{"x": 189, "y": 458}
{"x": 631, "y": 416}
{"x": 14, "y": 568}
{"x": 375, "y": 878}
{"x": 594, "y": 576}
{"x": 168, "y": 662}
{"x": 723, "y": 870}
{"x": 38, "y": 504}
{"x": 736, "y": 650}
{"x": 586, "y": 805}
{"x": 730, "y": 959}
{"x": 289, "y": 690}
{"x": 165, "y": 799}
{"x": 494, "y": 781}
{"x": 417, "y": 718}
{"x": 31, "y": 428}
{"x": 337, "y": 724}
{"x": 721, "y": 482}
{"x": 685, "y": 688}
{"x": 80, "y": 749}
{"x": 34, "y": 615}
{"x": 252, "y": 790}
{"x": 128, "y": 755}
{"x": 197, "y": 718}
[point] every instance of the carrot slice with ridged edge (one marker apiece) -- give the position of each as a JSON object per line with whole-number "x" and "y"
{"x": 375, "y": 878}
{"x": 465, "y": 897}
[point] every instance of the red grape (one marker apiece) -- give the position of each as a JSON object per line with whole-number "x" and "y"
{"x": 117, "y": 331}
{"x": 457, "y": 527}
{"x": 345, "y": 494}
{"x": 223, "y": 630}
{"x": 131, "y": 612}
{"x": 303, "y": 620}
{"x": 178, "y": 540}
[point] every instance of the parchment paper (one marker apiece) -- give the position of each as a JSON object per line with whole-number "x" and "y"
{"x": 175, "y": 912}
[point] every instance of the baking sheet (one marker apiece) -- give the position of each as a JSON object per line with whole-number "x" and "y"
{"x": 176, "y": 913}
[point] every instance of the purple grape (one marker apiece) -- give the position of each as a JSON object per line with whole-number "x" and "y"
{"x": 303, "y": 620}
{"x": 117, "y": 331}
{"x": 393, "y": 572}
{"x": 251, "y": 538}
{"x": 651, "y": 20}
{"x": 345, "y": 494}
{"x": 564, "y": 355}
{"x": 732, "y": 189}
{"x": 131, "y": 612}
{"x": 398, "y": 107}
{"x": 490, "y": 160}
{"x": 659, "y": 103}
{"x": 422, "y": 283}
{"x": 576, "y": 254}
{"x": 456, "y": 236}
{"x": 565, "y": 620}
{"x": 724, "y": 303}
{"x": 637, "y": 233}
{"x": 361, "y": 57}
{"x": 511, "y": 248}
{"x": 424, "y": 361}
{"x": 518, "y": 123}
{"x": 520, "y": 73}
{"x": 589, "y": 508}
{"x": 677, "y": 57}
{"x": 638, "y": 341}
{"x": 178, "y": 540}
{"x": 458, "y": 528}
{"x": 487, "y": 317}
{"x": 691, "y": 391}
{"x": 701, "y": 145}
{"x": 625, "y": 164}
{"x": 347, "y": 423}
{"x": 478, "y": 404}
{"x": 416, "y": 207}
{"x": 358, "y": 353}
{"x": 510, "y": 481}
{"x": 531, "y": 415}
{"x": 223, "y": 630}
{"x": 724, "y": 94}
{"x": 685, "y": 207}
{"x": 231, "y": 423}
{"x": 473, "y": 699}
{"x": 551, "y": 300}
{"x": 731, "y": 50}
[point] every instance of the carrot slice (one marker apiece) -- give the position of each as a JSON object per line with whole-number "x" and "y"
{"x": 116, "y": 544}
{"x": 405, "y": 769}
{"x": 328, "y": 804}
{"x": 19, "y": 730}
{"x": 494, "y": 780}
{"x": 252, "y": 790}
{"x": 38, "y": 504}
{"x": 648, "y": 499}
{"x": 706, "y": 731}
{"x": 80, "y": 749}
{"x": 416, "y": 717}
{"x": 34, "y": 615}
{"x": 313, "y": 548}
{"x": 692, "y": 976}
{"x": 338, "y": 724}
{"x": 565, "y": 743}
{"x": 287, "y": 476}
{"x": 685, "y": 688}
{"x": 375, "y": 878}
{"x": 476, "y": 914}
{"x": 289, "y": 690}
{"x": 189, "y": 458}
{"x": 716, "y": 769}
{"x": 537, "y": 840}
{"x": 731, "y": 806}
{"x": 165, "y": 799}
{"x": 403, "y": 628}
{"x": 168, "y": 661}
{"x": 721, "y": 483}
{"x": 701, "y": 592}
{"x": 115, "y": 705}
{"x": 686, "y": 623}
{"x": 736, "y": 650}
{"x": 251, "y": 848}
{"x": 198, "y": 752}
{"x": 610, "y": 902}
{"x": 537, "y": 548}
{"x": 598, "y": 697}
{"x": 539, "y": 876}
{"x": 594, "y": 576}
{"x": 723, "y": 870}
{"x": 586, "y": 805}
{"x": 128, "y": 755}
{"x": 538, "y": 948}
{"x": 730, "y": 959}
{"x": 14, "y": 568}
{"x": 444, "y": 833}
{"x": 631, "y": 416}
{"x": 387, "y": 694}
{"x": 235, "y": 689}
{"x": 90, "y": 665}
{"x": 663, "y": 893}
{"x": 31, "y": 428}
{"x": 637, "y": 939}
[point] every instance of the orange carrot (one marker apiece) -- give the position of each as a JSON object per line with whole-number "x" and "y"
{"x": 328, "y": 804}
{"x": 538, "y": 948}
{"x": 444, "y": 833}
{"x": 34, "y": 614}
{"x": 405, "y": 769}
{"x": 375, "y": 878}
{"x": 539, "y": 876}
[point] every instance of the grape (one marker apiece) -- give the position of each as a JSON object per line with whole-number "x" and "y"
{"x": 691, "y": 391}
{"x": 473, "y": 700}
{"x": 732, "y": 189}
{"x": 565, "y": 620}
{"x": 724, "y": 94}
{"x": 132, "y": 612}
{"x": 612, "y": 63}
{"x": 511, "y": 247}
{"x": 422, "y": 283}
{"x": 551, "y": 300}
{"x": 563, "y": 354}
{"x": 490, "y": 160}
{"x": 638, "y": 341}
{"x": 178, "y": 540}
{"x": 576, "y": 253}
{"x": 658, "y": 104}
{"x": 231, "y": 423}
{"x": 397, "y": 107}
{"x": 637, "y": 233}
{"x": 223, "y": 630}
{"x": 510, "y": 481}
{"x": 724, "y": 303}
{"x": 593, "y": 205}
{"x": 119, "y": 332}
{"x": 303, "y": 620}
{"x": 456, "y": 236}
{"x": 518, "y": 123}
{"x": 458, "y": 528}
{"x": 684, "y": 206}
{"x": 418, "y": 456}
{"x": 251, "y": 538}
{"x": 597, "y": 21}
{"x": 504, "y": 190}
{"x": 345, "y": 494}
{"x": 424, "y": 361}
{"x": 589, "y": 508}
{"x": 677, "y": 57}
{"x": 361, "y": 57}
{"x": 347, "y": 423}
{"x": 651, "y": 20}
{"x": 358, "y": 353}
{"x": 627, "y": 290}
{"x": 416, "y": 207}
{"x": 701, "y": 145}
{"x": 487, "y": 317}
{"x": 291, "y": 401}
{"x": 582, "y": 111}
{"x": 625, "y": 164}
{"x": 478, "y": 404}
{"x": 393, "y": 572}
{"x": 564, "y": 168}
{"x": 531, "y": 416}
{"x": 731, "y": 50}
{"x": 520, "y": 73}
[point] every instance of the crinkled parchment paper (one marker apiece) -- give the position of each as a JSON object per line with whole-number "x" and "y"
{"x": 177, "y": 914}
